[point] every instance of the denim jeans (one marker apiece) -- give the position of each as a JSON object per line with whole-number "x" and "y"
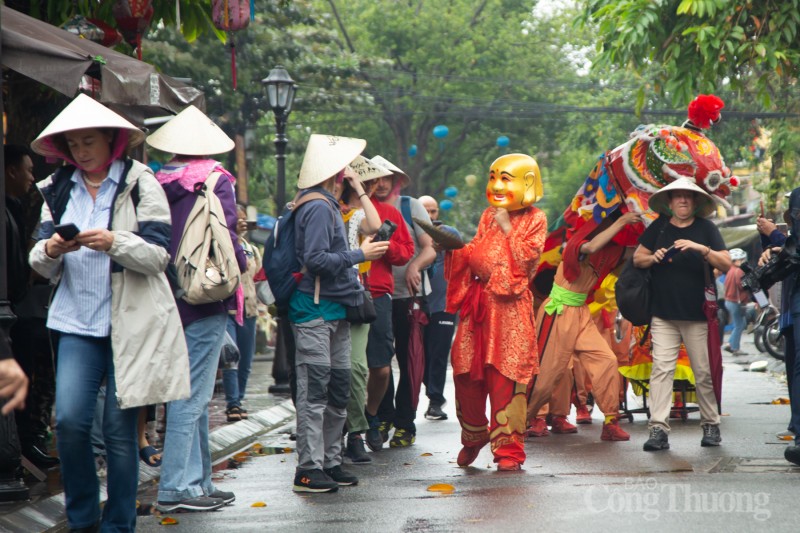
{"x": 83, "y": 364}
{"x": 235, "y": 379}
{"x": 739, "y": 323}
{"x": 186, "y": 463}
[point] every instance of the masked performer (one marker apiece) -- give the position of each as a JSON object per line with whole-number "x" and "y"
{"x": 566, "y": 328}
{"x": 494, "y": 353}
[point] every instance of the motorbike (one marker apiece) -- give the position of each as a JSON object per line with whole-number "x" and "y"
{"x": 767, "y": 334}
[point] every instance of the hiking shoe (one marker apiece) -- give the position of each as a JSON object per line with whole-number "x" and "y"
{"x": 227, "y": 497}
{"x": 402, "y": 438}
{"x": 792, "y": 454}
{"x": 659, "y": 440}
{"x": 508, "y": 465}
{"x": 343, "y": 478}
{"x": 199, "y": 504}
{"x": 711, "y": 436}
{"x": 373, "y": 437}
{"x": 538, "y": 428}
{"x": 612, "y": 432}
{"x": 314, "y": 481}
{"x": 355, "y": 452}
{"x": 435, "y": 412}
{"x": 561, "y": 425}
{"x": 385, "y": 428}
{"x": 582, "y": 415}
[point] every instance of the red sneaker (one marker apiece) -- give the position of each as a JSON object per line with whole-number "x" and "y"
{"x": 612, "y": 432}
{"x": 561, "y": 425}
{"x": 468, "y": 454}
{"x": 582, "y": 415}
{"x": 538, "y": 428}
{"x": 506, "y": 465}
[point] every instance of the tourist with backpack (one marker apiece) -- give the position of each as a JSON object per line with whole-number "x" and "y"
{"x": 328, "y": 284}
{"x": 103, "y": 238}
{"x": 209, "y": 260}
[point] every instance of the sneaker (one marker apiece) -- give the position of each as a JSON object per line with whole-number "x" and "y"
{"x": 435, "y": 412}
{"x": 612, "y": 432}
{"x": 402, "y": 438}
{"x": 786, "y": 435}
{"x": 342, "y": 477}
{"x": 199, "y": 504}
{"x": 355, "y": 452}
{"x": 538, "y": 428}
{"x": 374, "y": 437}
{"x": 508, "y": 465}
{"x": 659, "y": 440}
{"x": 582, "y": 415}
{"x": 739, "y": 353}
{"x": 385, "y": 428}
{"x": 314, "y": 481}
{"x": 468, "y": 454}
{"x": 792, "y": 454}
{"x": 728, "y": 348}
{"x": 711, "y": 436}
{"x": 227, "y": 497}
{"x": 562, "y": 426}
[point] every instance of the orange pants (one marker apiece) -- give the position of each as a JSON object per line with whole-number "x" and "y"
{"x": 573, "y": 333}
{"x": 562, "y": 394}
{"x": 506, "y": 431}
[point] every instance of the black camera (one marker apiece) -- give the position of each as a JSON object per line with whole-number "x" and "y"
{"x": 385, "y": 231}
{"x": 779, "y": 267}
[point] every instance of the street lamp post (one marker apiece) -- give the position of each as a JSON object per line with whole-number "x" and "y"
{"x": 280, "y": 91}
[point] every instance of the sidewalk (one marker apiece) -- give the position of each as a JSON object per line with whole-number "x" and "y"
{"x": 267, "y": 412}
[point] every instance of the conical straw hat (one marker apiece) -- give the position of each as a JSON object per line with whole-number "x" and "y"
{"x": 659, "y": 201}
{"x": 191, "y": 132}
{"x": 82, "y": 113}
{"x": 326, "y": 155}
{"x": 385, "y": 163}
{"x": 368, "y": 170}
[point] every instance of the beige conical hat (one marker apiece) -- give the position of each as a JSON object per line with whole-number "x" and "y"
{"x": 385, "y": 163}
{"x": 191, "y": 132}
{"x": 659, "y": 202}
{"x": 82, "y": 113}
{"x": 368, "y": 170}
{"x": 325, "y": 156}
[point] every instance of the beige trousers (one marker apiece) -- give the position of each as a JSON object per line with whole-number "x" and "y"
{"x": 667, "y": 336}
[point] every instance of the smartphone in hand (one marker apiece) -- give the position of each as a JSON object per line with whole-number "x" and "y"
{"x": 67, "y": 231}
{"x": 671, "y": 252}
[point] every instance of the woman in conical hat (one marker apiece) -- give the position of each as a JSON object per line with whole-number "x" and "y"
{"x": 186, "y": 465}
{"x": 103, "y": 237}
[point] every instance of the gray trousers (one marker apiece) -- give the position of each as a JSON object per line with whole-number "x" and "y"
{"x": 322, "y": 365}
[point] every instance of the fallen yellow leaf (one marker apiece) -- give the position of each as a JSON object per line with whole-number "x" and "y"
{"x": 241, "y": 457}
{"x": 786, "y": 437}
{"x": 259, "y": 504}
{"x": 444, "y": 488}
{"x": 256, "y": 447}
{"x": 426, "y": 454}
{"x": 167, "y": 521}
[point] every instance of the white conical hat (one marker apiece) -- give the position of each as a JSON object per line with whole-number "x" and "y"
{"x": 191, "y": 132}
{"x": 385, "y": 163}
{"x": 368, "y": 170}
{"x": 659, "y": 202}
{"x": 82, "y": 113}
{"x": 325, "y": 156}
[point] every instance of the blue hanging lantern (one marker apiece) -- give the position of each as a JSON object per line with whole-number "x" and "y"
{"x": 446, "y": 205}
{"x": 451, "y": 192}
{"x": 441, "y": 131}
{"x": 503, "y": 141}
{"x": 412, "y": 150}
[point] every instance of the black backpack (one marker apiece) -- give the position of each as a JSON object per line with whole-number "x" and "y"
{"x": 633, "y": 291}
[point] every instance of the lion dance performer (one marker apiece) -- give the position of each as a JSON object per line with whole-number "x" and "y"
{"x": 494, "y": 352}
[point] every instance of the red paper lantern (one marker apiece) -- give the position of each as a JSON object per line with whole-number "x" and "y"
{"x": 133, "y": 17}
{"x": 230, "y": 16}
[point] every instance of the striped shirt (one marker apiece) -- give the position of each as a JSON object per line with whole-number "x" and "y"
{"x": 82, "y": 303}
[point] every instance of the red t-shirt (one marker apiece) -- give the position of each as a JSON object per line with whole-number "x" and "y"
{"x": 733, "y": 286}
{"x": 401, "y": 250}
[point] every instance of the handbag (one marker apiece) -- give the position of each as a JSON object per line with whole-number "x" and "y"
{"x": 364, "y": 313}
{"x": 633, "y": 294}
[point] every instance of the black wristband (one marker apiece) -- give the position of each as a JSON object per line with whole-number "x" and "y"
{"x": 363, "y": 194}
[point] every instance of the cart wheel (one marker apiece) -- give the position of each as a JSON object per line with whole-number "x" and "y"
{"x": 630, "y": 418}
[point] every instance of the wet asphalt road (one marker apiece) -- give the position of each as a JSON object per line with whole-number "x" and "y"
{"x": 569, "y": 482}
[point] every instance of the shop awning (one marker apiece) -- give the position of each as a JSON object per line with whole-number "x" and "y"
{"x": 59, "y": 59}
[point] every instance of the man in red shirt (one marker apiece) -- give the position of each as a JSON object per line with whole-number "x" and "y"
{"x": 735, "y": 300}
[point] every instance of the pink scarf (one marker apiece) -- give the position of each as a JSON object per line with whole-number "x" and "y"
{"x": 190, "y": 172}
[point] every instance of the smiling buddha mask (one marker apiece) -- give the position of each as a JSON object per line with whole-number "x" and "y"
{"x": 514, "y": 182}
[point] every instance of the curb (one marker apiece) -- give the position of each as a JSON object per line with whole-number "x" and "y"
{"x": 49, "y": 514}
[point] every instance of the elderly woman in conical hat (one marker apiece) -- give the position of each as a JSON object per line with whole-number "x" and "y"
{"x": 186, "y": 465}
{"x": 681, "y": 248}
{"x": 104, "y": 234}
{"x": 318, "y": 312}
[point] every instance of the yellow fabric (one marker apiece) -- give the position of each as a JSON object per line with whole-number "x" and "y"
{"x": 364, "y": 267}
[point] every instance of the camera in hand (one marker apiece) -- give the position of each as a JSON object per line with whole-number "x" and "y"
{"x": 779, "y": 267}
{"x": 385, "y": 231}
